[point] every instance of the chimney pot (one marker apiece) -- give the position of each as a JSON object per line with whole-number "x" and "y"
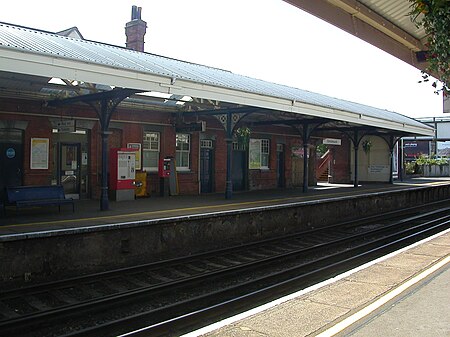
{"x": 136, "y": 13}
{"x": 135, "y": 30}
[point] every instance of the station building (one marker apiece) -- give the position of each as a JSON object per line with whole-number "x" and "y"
{"x": 65, "y": 102}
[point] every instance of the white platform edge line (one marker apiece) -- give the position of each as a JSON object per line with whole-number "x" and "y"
{"x": 341, "y": 325}
{"x": 382, "y": 301}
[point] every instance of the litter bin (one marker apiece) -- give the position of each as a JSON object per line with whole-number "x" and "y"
{"x": 141, "y": 188}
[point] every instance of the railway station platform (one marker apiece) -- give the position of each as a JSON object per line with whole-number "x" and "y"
{"x": 87, "y": 212}
{"x": 44, "y": 245}
{"x": 406, "y": 293}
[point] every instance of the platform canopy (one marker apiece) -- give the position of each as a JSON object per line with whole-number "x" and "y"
{"x": 385, "y": 24}
{"x": 31, "y": 60}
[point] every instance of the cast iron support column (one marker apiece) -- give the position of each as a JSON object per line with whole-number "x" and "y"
{"x": 104, "y": 200}
{"x": 391, "y": 156}
{"x": 305, "y": 158}
{"x": 104, "y": 123}
{"x": 401, "y": 163}
{"x": 356, "y": 146}
{"x": 104, "y": 104}
{"x": 229, "y": 140}
{"x": 391, "y": 169}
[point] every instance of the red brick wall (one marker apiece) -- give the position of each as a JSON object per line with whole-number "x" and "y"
{"x": 220, "y": 165}
{"x": 132, "y": 133}
{"x": 341, "y": 167}
{"x": 265, "y": 178}
{"x": 131, "y": 126}
{"x": 188, "y": 182}
{"x": 95, "y": 161}
{"x": 290, "y": 143}
{"x": 37, "y": 128}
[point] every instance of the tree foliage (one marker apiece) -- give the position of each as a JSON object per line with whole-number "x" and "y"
{"x": 434, "y": 17}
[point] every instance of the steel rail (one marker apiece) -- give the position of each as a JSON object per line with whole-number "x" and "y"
{"x": 254, "y": 263}
{"x": 133, "y": 269}
{"x": 243, "y": 266}
{"x": 198, "y": 318}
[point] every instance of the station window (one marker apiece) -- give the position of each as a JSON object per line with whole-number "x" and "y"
{"x": 259, "y": 150}
{"x": 238, "y": 146}
{"x": 265, "y": 153}
{"x": 150, "y": 150}
{"x": 183, "y": 149}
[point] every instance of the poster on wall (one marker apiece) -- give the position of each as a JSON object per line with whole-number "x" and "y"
{"x": 254, "y": 150}
{"x": 39, "y": 153}
{"x": 381, "y": 169}
{"x": 137, "y": 148}
{"x": 298, "y": 152}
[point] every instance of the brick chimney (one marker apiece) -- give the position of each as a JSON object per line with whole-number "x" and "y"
{"x": 135, "y": 30}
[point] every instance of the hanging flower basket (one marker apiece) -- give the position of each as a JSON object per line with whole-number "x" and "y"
{"x": 434, "y": 17}
{"x": 366, "y": 145}
{"x": 242, "y": 136}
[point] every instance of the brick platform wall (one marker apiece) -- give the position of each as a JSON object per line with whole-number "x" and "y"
{"x": 47, "y": 256}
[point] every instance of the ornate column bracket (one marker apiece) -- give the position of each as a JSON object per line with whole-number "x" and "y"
{"x": 104, "y": 104}
{"x": 235, "y": 118}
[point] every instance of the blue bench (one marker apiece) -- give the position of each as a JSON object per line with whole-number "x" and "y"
{"x": 31, "y": 196}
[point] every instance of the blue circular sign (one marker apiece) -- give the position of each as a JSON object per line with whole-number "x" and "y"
{"x": 10, "y": 153}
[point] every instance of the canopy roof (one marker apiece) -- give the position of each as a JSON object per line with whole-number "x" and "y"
{"x": 385, "y": 24}
{"x": 40, "y": 56}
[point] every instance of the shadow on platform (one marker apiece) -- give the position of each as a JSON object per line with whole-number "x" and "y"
{"x": 88, "y": 213}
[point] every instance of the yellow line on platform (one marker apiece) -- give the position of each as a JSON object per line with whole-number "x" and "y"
{"x": 172, "y": 211}
{"x": 140, "y": 214}
{"x": 129, "y": 215}
{"x": 424, "y": 183}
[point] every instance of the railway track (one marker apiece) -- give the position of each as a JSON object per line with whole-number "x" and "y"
{"x": 172, "y": 296}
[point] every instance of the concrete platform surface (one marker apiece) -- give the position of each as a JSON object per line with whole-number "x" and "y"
{"x": 87, "y": 212}
{"x": 406, "y": 293}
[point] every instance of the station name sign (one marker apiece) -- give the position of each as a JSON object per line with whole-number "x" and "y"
{"x": 66, "y": 126}
{"x": 331, "y": 141}
{"x": 191, "y": 127}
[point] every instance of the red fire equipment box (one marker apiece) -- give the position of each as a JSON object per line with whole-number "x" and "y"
{"x": 164, "y": 168}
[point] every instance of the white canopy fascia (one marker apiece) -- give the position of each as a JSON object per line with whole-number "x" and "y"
{"x": 31, "y": 63}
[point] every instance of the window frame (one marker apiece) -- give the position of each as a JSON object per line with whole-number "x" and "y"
{"x": 265, "y": 156}
{"x": 144, "y": 150}
{"x": 183, "y": 151}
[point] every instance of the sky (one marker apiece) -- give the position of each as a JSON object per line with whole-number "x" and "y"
{"x": 265, "y": 39}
